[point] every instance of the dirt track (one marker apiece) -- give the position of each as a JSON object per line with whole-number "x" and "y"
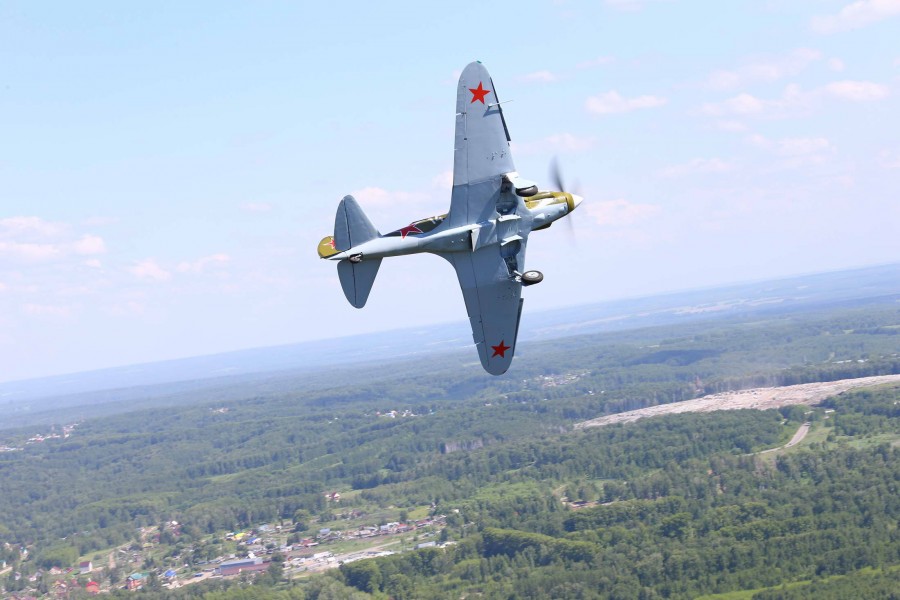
{"x": 758, "y": 398}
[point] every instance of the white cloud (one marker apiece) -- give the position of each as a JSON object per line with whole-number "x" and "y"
{"x": 697, "y": 165}
{"x": 29, "y": 251}
{"x": 796, "y": 151}
{"x": 93, "y": 263}
{"x": 856, "y": 15}
{"x": 89, "y": 244}
{"x": 46, "y": 310}
{"x": 443, "y": 180}
{"x": 857, "y": 91}
{"x": 793, "y": 147}
{"x": 620, "y": 212}
{"x": 794, "y": 99}
{"x": 742, "y": 104}
{"x": 149, "y": 270}
{"x": 595, "y": 62}
{"x": 836, "y": 64}
{"x": 201, "y": 264}
{"x": 539, "y": 77}
{"x": 17, "y": 226}
{"x": 613, "y": 102}
{"x": 765, "y": 71}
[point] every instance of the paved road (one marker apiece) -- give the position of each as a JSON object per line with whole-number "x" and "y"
{"x": 798, "y": 437}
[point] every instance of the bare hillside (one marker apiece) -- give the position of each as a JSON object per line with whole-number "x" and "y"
{"x": 758, "y": 398}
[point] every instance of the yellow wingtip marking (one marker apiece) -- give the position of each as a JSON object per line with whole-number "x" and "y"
{"x": 326, "y": 247}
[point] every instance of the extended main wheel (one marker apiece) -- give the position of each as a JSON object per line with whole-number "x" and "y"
{"x": 532, "y": 277}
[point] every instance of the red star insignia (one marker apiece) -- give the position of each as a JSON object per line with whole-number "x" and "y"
{"x": 500, "y": 350}
{"x": 331, "y": 243}
{"x": 411, "y": 228}
{"x": 479, "y": 93}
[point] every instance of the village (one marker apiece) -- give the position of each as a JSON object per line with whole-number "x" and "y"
{"x": 273, "y": 551}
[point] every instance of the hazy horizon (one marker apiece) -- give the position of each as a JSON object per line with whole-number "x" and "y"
{"x": 168, "y": 173}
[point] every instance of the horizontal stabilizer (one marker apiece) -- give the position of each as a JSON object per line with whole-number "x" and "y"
{"x": 357, "y": 279}
{"x": 351, "y": 225}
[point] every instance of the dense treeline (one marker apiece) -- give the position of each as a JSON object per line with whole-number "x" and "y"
{"x": 724, "y": 522}
{"x": 688, "y": 508}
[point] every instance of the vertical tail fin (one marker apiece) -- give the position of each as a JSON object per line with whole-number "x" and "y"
{"x": 351, "y": 225}
{"x": 351, "y": 228}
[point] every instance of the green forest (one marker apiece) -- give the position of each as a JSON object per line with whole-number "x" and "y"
{"x": 678, "y": 506}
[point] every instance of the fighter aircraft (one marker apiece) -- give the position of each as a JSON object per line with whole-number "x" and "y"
{"x": 484, "y": 235}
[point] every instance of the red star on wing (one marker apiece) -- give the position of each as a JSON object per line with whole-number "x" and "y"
{"x": 411, "y": 228}
{"x": 479, "y": 93}
{"x": 331, "y": 243}
{"x": 500, "y": 350}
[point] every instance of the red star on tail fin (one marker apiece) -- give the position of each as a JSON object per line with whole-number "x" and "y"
{"x": 479, "y": 93}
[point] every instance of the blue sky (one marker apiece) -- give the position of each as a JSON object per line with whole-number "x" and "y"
{"x": 166, "y": 169}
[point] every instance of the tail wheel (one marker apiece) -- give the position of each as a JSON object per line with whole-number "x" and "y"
{"x": 532, "y": 277}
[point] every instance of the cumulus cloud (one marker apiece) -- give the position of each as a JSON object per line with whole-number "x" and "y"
{"x": 764, "y": 71}
{"x": 149, "y": 270}
{"x": 612, "y": 102}
{"x": 856, "y": 15}
{"x": 836, "y": 64}
{"x": 89, "y": 244}
{"x": 443, "y": 180}
{"x": 795, "y": 99}
{"x": 202, "y": 264}
{"x": 539, "y": 77}
{"x": 18, "y": 226}
{"x": 697, "y": 165}
{"x": 595, "y": 62}
{"x": 620, "y": 212}
{"x": 803, "y": 146}
{"x": 796, "y": 151}
{"x": 28, "y": 251}
{"x": 46, "y": 310}
{"x": 857, "y": 91}
{"x": 741, "y": 105}
{"x": 33, "y": 239}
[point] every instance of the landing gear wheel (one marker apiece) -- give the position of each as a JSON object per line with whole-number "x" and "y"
{"x": 356, "y": 258}
{"x": 532, "y": 277}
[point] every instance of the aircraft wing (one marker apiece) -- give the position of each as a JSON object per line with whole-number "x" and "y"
{"x": 493, "y": 302}
{"x": 481, "y": 150}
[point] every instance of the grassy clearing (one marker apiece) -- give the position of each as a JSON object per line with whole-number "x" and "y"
{"x": 748, "y": 594}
